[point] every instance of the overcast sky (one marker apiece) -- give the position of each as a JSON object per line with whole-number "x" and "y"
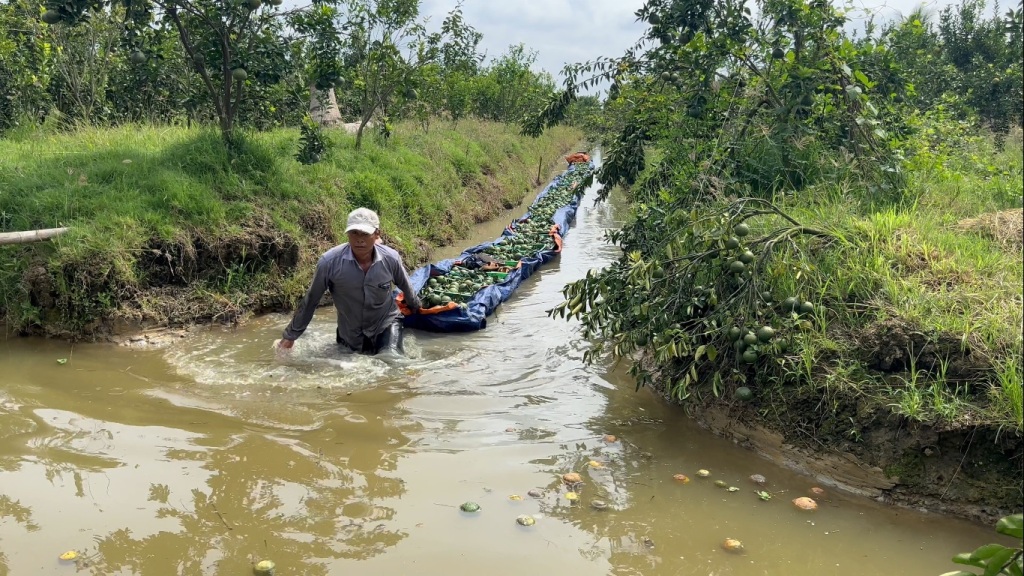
{"x": 566, "y": 31}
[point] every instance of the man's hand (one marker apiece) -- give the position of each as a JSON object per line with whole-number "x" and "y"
{"x": 285, "y": 344}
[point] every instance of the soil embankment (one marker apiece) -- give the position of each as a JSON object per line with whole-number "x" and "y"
{"x": 973, "y": 472}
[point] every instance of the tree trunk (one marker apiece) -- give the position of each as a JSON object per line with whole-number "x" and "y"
{"x": 362, "y": 124}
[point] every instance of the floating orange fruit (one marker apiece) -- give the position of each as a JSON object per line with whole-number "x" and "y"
{"x": 682, "y": 478}
{"x": 805, "y": 503}
{"x": 572, "y": 478}
{"x": 732, "y": 545}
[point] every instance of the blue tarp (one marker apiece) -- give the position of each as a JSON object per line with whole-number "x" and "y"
{"x": 474, "y": 315}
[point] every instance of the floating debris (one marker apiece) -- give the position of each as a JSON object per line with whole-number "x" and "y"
{"x": 732, "y": 545}
{"x": 572, "y": 496}
{"x": 595, "y": 464}
{"x": 69, "y": 555}
{"x": 732, "y": 489}
{"x": 515, "y": 497}
{"x": 720, "y": 483}
{"x": 598, "y": 504}
{"x": 758, "y": 479}
{"x": 525, "y": 520}
{"x": 469, "y": 507}
{"x": 535, "y": 493}
{"x": 818, "y": 491}
{"x": 681, "y": 478}
{"x": 703, "y": 473}
{"x": 572, "y": 478}
{"x": 263, "y": 568}
{"x": 805, "y": 503}
{"x": 610, "y": 438}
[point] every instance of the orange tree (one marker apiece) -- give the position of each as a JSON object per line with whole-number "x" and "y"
{"x": 233, "y": 46}
{"x": 714, "y": 114}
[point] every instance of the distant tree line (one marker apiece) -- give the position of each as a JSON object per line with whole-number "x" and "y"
{"x": 251, "y": 63}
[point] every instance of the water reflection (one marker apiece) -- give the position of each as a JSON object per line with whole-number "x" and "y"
{"x": 210, "y": 494}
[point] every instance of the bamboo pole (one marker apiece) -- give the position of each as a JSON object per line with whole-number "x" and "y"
{"x": 30, "y": 236}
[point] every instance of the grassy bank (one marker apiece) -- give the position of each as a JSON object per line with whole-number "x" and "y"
{"x": 167, "y": 228}
{"x": 918, "y": 305}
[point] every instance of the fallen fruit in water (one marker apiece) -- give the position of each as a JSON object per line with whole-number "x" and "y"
{"x": 515, "y": 497}
{"x": 572, "y": 478}
{"x": 598, "y": 504}
{"x": 703, "y": 473}
{"x": 525, "y": 520}
{"x": 263, "y": 568}
{"x": 720, "y": 483}
{"x": 817, "y": 491}
{"x": 534, "y": 493}
{"x": 609, "y": 438}
{"x": 572, "y": 496}
{"x": 681, "y": 478}
{"x": 69, "y": 555}
{"x": 732, "y": 545}
{"x": 758, "y": 479}
{"x": 805, "y": 503}
{"x": 595, "y": 464}
{"x": 469, "y": 507}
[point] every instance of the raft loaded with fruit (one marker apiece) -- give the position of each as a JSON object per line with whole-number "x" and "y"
{"x": 459, "y": 294}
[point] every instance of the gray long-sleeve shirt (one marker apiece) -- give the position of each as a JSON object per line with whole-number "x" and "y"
{"x": 363, "y": 300}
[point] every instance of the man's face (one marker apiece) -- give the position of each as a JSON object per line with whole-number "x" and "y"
{"x": 362, "y": 243}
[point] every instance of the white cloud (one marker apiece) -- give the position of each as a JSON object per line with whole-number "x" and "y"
{"x": 559, "y": 31}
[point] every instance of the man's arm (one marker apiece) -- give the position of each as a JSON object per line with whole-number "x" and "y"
{"x": 307, "y": 307}
{"x": 401, "y": 279}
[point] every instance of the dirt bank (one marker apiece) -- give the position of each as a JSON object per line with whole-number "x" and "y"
{"x": 853, "y": 445}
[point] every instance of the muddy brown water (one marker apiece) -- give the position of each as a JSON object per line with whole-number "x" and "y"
{"x": 211, "y": 453}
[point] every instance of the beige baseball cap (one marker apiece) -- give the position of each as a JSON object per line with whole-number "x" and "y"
{"x": 363, "y": 220}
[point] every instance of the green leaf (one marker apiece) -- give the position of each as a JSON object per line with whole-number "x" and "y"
{"x": 965, "y": 558}
{"x": 995, "y": 563}
{"x": 987, "y": 551}
{"x": 712, "y": 353}
{"x": 1012, "y": 525}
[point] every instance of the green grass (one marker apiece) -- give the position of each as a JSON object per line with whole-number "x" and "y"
{"x": 125, "y": 191}
{"x": 908, "y": 262}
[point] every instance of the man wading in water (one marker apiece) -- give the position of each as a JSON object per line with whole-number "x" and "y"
{"x": 360, "y": 276}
